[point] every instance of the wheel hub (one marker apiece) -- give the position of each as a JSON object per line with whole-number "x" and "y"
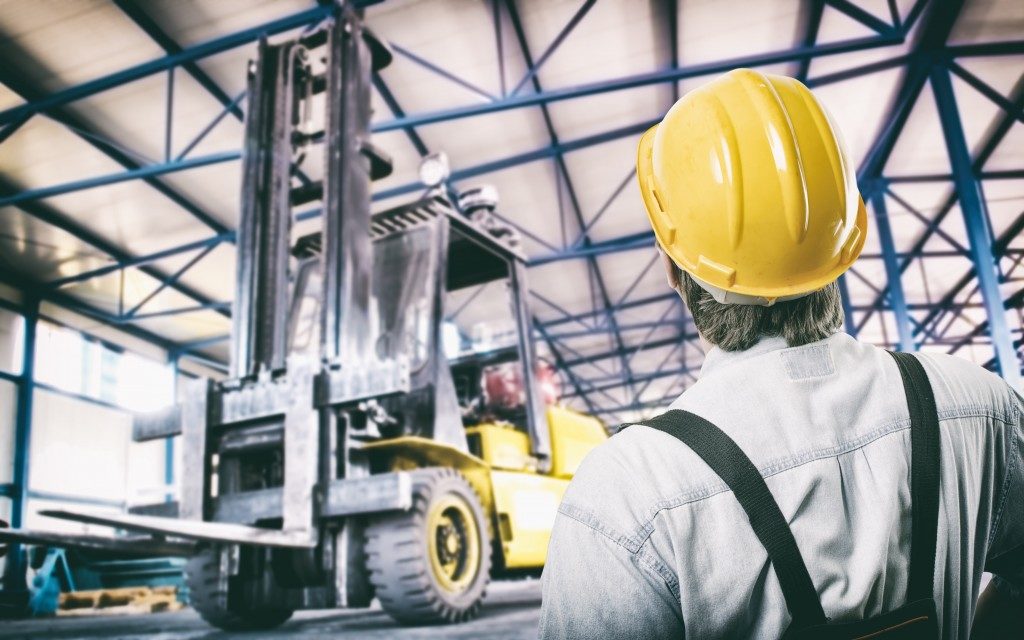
{"x": 454, "y": 544}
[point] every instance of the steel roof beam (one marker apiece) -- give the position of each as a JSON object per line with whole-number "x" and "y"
{"x": 931, "y": 39}
{"x": 643, "y": 377}
{"x": 560, "y": 161}
{"x": 444, "y": 73}
{"x": 211, "y": 306}
{"x": 896, "y": 298}
{"x": 684, "y": 369}
{"x": 1004, "y": 48}
{"x": 487, "y": 167}
{"x": 533, "y": 68}
{"x": 140, "y": 173}
{"x": 398, "y": 112}
{"x": 560, "y": 363}
{"x": 174, "y": 166}
{"x": 140, "y": 260}
{"x": 632, "y": 304}
{"x": 1012, "y": 302}
{"x": 641, "y": 240}
{"x": 979, "y": 231}
{"x": 640, "y": 80}
{"x": 999, "y": 247}
{"x": 866, "y": 18}
{"x": 29, "y": 92}
{"x": 984, "y": 89}
{"x": 995, "y": 137}
{"x": 170, "y": 281}
{"x": 627, "y": 349}
{"x": 196, "y": 52}
{"x": 9, "y": 129}
{"x": 87, "y": 310}
{"x": 811, "y": 36}
{"x": 1007, "y": 174}
{"x": 51, "y": 216}
{"x": 639, "y": 326}
{"x": 141, "y": 19}
{"x": 858, "y": 71}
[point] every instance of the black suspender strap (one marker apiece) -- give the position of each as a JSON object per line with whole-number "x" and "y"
{"x": 727, "y": 460}
{"x": 924, "y": 475}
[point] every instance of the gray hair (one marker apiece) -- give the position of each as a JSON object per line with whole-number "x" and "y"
{"x": 736, "y": 327}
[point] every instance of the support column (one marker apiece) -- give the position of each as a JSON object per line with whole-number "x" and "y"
{"x": 169, "y": 442}
{"x": 892, "y": 271}
{"x": 14, "y": 573}
{"x": 979, "y": 234}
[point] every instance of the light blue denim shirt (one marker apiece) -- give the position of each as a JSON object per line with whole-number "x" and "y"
{"x": 649, "y": 542}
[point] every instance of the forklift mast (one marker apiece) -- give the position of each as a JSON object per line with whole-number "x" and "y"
{"x": 281, "y": 89}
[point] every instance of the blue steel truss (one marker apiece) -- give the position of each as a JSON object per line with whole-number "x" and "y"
{"x": 929, "y": 62}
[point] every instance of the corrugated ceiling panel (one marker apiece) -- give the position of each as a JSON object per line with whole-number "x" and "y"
{"x": 216, "y": 188}
{"x": 43, "y": 153}
{"x": 188, "y": 327}
{"x": 193, "y": 21}
{"x": 67, "y": 43}
{"x": 131, "y": 215}
{"x": 41, "y": 251}
{"x": 213, "y": 275}
{"x": 989, "y": 21}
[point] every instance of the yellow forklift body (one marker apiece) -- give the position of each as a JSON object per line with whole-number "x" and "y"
{"x": 502, "y": 446}
{"x": 522, "y": 502}
{"x": 525, "y": 504}
{"x": 573, "y": 435}
{"x": 413, "y": 452}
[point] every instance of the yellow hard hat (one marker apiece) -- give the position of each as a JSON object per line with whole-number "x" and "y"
{"x": 750, "y": 191}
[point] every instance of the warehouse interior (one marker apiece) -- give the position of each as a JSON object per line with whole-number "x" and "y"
{"x": 123, "y": 133}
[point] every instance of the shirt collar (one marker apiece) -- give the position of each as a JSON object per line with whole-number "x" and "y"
{"x": 718, "y": 358}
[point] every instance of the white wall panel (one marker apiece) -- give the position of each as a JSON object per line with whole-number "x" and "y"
{"x": 8, "y": 409}
{"x": 85, "y": 450}
{"x": 78, "y": 448}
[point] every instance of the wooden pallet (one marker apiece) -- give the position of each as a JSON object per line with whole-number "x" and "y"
{"x": 127, "y": 600}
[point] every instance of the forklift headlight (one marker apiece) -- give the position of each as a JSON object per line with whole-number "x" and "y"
{"x": 434, "y": 169}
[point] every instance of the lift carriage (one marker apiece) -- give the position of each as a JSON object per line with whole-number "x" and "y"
{"x": 347, "y": 456}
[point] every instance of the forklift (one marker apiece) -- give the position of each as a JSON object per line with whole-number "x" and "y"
{"x": 347, "y": 456}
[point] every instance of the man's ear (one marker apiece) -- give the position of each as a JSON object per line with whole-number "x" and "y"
{"x": 671, "y": 271}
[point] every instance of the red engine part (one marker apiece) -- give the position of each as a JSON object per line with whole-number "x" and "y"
{"x": 505, "y": 389}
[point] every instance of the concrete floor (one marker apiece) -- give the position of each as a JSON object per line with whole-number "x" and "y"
{"x": 511, "y": 610}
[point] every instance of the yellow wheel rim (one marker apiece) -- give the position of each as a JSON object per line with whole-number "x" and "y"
{"x": 453, "y": 544}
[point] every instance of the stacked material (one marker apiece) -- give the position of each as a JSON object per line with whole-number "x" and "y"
{"x": 127, "y": 600}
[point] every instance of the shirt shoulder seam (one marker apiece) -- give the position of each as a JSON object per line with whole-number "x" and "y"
{"x": 630, "y": 545}
{"x": 646, "y": 529}
{"x": 1014, "y": 454}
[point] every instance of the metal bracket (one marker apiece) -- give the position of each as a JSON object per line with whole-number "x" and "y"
{"x": 372, "y": 494}
{"x": 157, "y": 425}
{"x": 353, "y": 384}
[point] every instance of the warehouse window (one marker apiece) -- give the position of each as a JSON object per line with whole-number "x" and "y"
{"x": 12, "y": 335}
{"x": 70, "y": 361}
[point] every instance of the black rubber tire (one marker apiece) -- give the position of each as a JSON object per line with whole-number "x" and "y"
{"x": 211, "y": 601}
{"x": 396, "y": 555}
